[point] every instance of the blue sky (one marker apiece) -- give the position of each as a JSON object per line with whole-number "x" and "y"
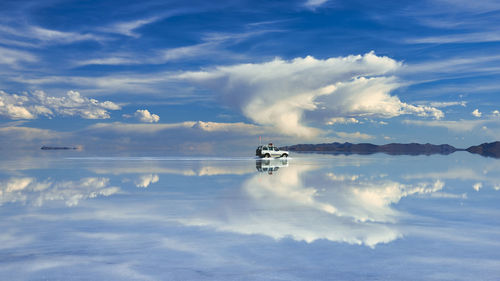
{"x": 166, "y": 74}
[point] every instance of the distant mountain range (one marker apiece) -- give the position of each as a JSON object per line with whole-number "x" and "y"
{"x": 491, "y": 149}
{"x": 485, "y": 149}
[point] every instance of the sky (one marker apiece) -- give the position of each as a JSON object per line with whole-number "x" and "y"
{"x": 196, "y": 76}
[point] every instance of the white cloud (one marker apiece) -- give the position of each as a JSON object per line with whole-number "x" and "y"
{"x": 33, "y": 105}
{"x": 341, "y": 120}
{"x": 127, "y": 28}
{"x": 448, "y": 103}
{"x": 145, "y": 180}
{"x": 29, "y": 190}
{"x": 476, "y": 113}
{"x": 454, "y": 67}
{"x": 187, "y": 51}
{"x": 144, "y": 115}
{"x": 184, "y": 137}
{"x": 14, "y": 57}
{"x": 195, "y": 125}
{"x": 313, "y": 4}
{"x": 34, "y": 36}
{"x": 354, "y": 136}
{"x": 495, "y": 113}
{"x": 477, "y": 186}
{"x": 164, "y": 168}
{"x": 336, "y": 177}
{"x": 361, "y": 212}
{"x": 288, "y": 95}
{"x": 11, "y": 133}
{"x": 476, "y": 37}
{"x": 211, "y": 45}
{"x": 458, "y": 126}
{"x": 55, "y": 36}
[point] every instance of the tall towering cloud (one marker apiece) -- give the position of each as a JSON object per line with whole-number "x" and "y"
{"x": 290, "y": 95}
{"x": 38, "y": 103}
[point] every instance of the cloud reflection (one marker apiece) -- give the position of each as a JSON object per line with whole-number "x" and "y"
{"x": 305, "y": 204}
{"x": 28, "y": 190}
{"x": 145, "y": 180}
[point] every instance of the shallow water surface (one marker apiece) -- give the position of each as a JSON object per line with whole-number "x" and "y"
{"x": 310, "y": 217}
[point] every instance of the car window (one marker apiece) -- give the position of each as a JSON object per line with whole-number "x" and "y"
{"x": 276, "y": 149}
{"x": 264, "y": 148}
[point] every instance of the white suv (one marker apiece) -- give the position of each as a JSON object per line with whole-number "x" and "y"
{"x": 266, "y": 151}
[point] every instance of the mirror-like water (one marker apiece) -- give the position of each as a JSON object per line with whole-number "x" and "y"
{"x": 310, "y": 217}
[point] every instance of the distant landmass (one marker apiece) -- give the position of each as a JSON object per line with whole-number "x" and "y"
{"x": 491, "y": 149}
{"x": 58, "y": 147}
{"x": 485, "y": 149}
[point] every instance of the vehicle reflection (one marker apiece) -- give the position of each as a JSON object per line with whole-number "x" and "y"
{"x": 270, "y": 165}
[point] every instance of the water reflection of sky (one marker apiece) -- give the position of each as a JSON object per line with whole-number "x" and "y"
{"x": 312, "y": 217}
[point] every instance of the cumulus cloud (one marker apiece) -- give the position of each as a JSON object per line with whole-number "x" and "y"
{"x": 145, "y": 180}
{"x": 290, "y": 95}
{"x": 495, "y": 113}
{"x": 476, "y": 113}
{"x": 38, "y": 103}
{"x": 144, "y": 115}
{"x": 29, "y": 190}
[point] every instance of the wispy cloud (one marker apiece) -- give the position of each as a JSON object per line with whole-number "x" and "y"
{"x": 213, "y": 44}
{"x": 61, "y": 37}
{"x": 33, "y": 36}
{"x": 457, "y": 126}
{"x": 448, "y": 103}
{"x": 195, "y": 125}
{"x": 127, "y": 28}
{"x": 476, "y": 37}
{"x": 342, "y": 120}
{"x": 15, "y": 57}
{"x": 313, "y": 4}
{"x": 455, "y": 65}
{"x": 356, "y": 136}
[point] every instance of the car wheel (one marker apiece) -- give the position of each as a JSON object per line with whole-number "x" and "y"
{"x": 284, "y": 155}
{"x": 267, "y": 155}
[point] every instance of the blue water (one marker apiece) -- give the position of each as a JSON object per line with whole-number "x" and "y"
{"x": 309, "y": 217}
